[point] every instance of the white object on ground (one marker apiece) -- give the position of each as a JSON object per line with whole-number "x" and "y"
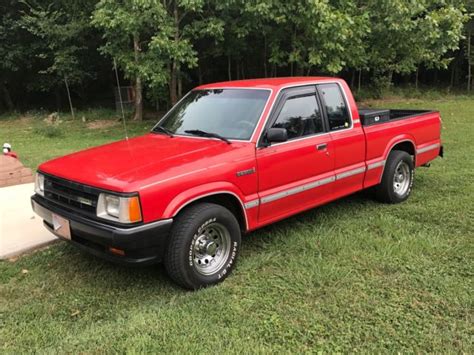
{"x": 21, "y": 230}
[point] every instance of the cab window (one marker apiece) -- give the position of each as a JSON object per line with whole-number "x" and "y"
{"x": 300, "y": 116}
{"x": 336, "y": 108}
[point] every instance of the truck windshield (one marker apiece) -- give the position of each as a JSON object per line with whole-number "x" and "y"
{"x": 230, "y": 113}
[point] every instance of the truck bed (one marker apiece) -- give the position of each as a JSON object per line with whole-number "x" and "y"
{"x": 417, "y": 128}
{"x": 378, "y": 116}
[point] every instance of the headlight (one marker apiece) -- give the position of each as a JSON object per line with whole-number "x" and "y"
{"x": 39, "y": 184}
{"x": 119, "y": 209}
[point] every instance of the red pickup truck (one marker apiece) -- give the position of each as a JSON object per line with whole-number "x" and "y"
{"x": 227, "y": 159}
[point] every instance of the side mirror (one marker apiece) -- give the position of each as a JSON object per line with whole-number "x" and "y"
{"x": 276, "y": 135}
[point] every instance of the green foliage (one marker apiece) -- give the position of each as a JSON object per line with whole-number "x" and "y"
{"x": 164, "y": 32}
{"x": 406, "y": 34}
{"x": 121, "y": 22}
{"x": 175, "y": 43}
{"x": 61, "y": 30}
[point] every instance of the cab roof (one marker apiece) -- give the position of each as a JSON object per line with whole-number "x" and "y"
{"x": 267, "y": 83}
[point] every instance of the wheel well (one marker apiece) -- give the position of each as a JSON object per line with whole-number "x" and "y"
{"x": 406, "y": 147}
{"x": 228, "y": 201}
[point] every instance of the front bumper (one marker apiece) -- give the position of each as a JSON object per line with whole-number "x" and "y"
{"x": 143, "y": 244}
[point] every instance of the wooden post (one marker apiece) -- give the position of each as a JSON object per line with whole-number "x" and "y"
{"x": 69, "y": 97}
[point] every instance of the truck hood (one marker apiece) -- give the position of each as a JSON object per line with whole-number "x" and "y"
{"x": 122, "y": 165}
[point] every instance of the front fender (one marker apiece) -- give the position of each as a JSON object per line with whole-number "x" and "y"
{"x": 186, "y": 197}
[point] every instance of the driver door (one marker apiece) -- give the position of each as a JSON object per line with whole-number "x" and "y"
{"x": 297, "y": 174}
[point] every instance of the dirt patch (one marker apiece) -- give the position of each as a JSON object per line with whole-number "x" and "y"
{"x": 25, "y": 119}
{"x": 101, "y": 124}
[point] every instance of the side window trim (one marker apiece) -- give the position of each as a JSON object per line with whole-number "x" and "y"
{"x": 324, "y": 111}
{"x": 286, "y": 94}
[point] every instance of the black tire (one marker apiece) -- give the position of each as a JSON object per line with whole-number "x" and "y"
{"x": 386, "y": 191}
{"x": 193, "y": 239}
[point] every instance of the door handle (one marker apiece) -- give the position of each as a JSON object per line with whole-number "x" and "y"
{"x": 322, "y": 146}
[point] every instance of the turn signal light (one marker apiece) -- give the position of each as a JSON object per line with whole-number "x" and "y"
{"x": 117, "y": 251}
{"x": 134, "y": 211}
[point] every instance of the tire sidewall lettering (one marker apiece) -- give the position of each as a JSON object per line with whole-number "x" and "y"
{"x": 230, "y": 263}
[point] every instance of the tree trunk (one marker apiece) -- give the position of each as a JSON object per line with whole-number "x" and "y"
{"x": 469, "y": 62}
{"x": 265, "y": 70}
{"x": 199, "y": 74}
{"x": 173, "y": 83}
{"x": 416, "y": 77}
{"x": 138, "y": 115}
{"x": 69, "y": 98}
{"x": 359, "y": 81}
{"x": 453, "y": 68}
{"x": 229, "y": 67}
{"x": 174, "y": 65}
{"x": 180, "y": 84}
{"x": 6, "y": 97}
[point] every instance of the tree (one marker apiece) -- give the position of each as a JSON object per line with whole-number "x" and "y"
{"x": 152, "y": 40}
{"x": 405, "y": 34}
{"x": 62, "y": 31}
{"x": 127, "y": 28}
{"x": 16, "y": 46}
{"x": 469, "y": 31}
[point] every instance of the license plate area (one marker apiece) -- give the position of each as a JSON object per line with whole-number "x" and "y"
{"x": 61, "y": 226}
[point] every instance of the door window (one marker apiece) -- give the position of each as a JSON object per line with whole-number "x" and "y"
{"x": 336, "y": 108}
{"x": 300, "y": 116}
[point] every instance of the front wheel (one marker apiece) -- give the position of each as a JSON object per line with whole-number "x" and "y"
{"x": 203, "y": 247}
{"x": 397, "y": 179}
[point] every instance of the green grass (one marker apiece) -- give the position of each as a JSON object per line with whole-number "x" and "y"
{"x": 37, "y": 141}
{"x": 352, "y": 275}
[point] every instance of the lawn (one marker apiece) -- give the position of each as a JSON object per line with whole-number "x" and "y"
{"x": 352, "y": 275}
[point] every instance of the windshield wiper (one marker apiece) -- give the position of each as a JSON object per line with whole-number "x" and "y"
{"x": 164, "y": 130}
{"x": 198, "y": 132}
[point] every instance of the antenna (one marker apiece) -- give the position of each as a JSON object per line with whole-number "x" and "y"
{"x": 120, "y": 98}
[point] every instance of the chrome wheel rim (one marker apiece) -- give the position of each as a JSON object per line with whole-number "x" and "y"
{"x": 401, "y": 178}
{"x": 211, "y": 249}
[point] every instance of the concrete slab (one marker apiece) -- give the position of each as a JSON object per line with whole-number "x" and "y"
{"x": 20, "y": 229}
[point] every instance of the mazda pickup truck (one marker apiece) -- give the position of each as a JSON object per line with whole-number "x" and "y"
{"x": 227, "y": 159}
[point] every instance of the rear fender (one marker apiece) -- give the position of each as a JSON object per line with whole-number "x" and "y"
{"x": 397, "y": 140}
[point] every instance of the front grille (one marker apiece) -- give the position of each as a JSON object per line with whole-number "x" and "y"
{"x": 74, "y": 196}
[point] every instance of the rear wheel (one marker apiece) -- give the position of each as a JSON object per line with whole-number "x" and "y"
{"x": 397, "y": 179}
{"x": 203, "y": 246}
